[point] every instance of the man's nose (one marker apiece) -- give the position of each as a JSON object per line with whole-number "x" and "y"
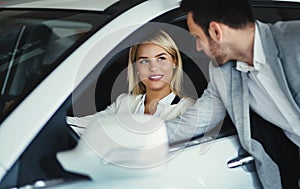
{"x": 198, "y": 46}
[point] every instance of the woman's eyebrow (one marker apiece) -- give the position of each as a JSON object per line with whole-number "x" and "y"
{"x": 161, "y": 54}
{"x": 145, "y": 57}
{"x": 142, "y": 57}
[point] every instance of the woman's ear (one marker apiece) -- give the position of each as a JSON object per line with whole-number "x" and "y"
{"x": 174, "y": 63}
{"x": 215, "y": 31}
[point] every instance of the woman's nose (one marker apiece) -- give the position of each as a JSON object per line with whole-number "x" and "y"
{"x": 153, "y": 66}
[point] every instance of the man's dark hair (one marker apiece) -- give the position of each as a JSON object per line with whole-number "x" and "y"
{"x": 236, "y": 14}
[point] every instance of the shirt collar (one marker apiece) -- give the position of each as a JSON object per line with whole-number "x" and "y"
{"x": 167, "y": 100}
{"x": 259, "y": 59}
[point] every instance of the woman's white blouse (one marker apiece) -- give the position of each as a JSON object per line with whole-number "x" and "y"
{"x": 126, "y": 103}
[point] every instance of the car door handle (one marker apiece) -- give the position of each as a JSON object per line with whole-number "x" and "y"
{"x": 239, "y": 161}
{"x": 42, "y": 184}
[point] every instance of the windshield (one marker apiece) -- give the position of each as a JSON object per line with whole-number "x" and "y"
{"x": 32, "y": 44}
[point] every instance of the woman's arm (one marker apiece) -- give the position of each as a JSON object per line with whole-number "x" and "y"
{"x": 80, "y": 124}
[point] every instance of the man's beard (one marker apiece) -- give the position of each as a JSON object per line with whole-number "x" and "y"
{"x": 217, "y": 53}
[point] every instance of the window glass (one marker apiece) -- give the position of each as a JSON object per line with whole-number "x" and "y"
{"x": 31, "y": 46}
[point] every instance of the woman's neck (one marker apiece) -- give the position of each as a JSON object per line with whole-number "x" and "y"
{"x": 156, "y": 95}
{"x": 152, "y": 99}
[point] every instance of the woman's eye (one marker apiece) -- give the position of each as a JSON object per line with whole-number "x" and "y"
{"x": 161, "y": 59}
{"x": 144, "y": 61}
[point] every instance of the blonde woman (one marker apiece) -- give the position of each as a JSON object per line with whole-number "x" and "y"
{"x": 154, "y": 76}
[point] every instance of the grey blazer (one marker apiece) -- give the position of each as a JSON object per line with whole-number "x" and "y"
{"x": 228, "y": 90}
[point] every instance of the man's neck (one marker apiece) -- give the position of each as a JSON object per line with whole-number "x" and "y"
{"x": 243, "y": 45}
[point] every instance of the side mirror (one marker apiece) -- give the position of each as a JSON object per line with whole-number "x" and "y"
{"x": 119, "y": 146}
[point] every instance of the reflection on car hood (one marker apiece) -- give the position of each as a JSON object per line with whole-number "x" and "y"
{"x": 119, "y": 146}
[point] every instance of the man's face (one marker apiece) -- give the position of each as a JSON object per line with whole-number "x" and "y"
{"x": 210, "y": 47}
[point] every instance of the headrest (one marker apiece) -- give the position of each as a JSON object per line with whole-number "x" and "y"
{"x": 117, "y": 146}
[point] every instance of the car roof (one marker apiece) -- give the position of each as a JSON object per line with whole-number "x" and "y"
{"x": 92, "y": 5}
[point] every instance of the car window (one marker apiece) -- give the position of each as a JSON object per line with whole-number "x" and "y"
{"x": 31, "y": 46}
{"x": 269, "y": 11}
{"x": 195, "y": 67}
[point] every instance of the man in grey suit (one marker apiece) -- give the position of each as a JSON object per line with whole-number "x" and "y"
{"x": 255, "y": 71}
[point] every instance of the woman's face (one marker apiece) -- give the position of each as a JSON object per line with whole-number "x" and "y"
{"x": 154, "y": 67}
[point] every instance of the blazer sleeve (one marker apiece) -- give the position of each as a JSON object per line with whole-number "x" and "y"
{"x": 207, "y": 112}
{"x": 185, "y": 103}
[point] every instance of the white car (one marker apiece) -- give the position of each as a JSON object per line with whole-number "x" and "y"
{"x": 63, "y": 58}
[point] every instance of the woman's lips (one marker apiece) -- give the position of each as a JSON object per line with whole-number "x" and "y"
{"x": 155, "y": 77}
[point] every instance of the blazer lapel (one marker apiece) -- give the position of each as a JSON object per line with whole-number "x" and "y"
{"x": 272, "y": 58}
{"x": 240, "y": 106}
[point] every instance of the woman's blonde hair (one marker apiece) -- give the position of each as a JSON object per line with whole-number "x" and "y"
{"x": 162, "y": 39}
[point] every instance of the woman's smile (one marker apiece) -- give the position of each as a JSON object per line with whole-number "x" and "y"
{"x": 155, "y": 77}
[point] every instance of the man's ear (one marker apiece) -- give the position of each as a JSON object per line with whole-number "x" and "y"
{"x": 215, "y": 31}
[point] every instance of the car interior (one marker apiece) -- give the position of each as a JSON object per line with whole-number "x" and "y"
{"x": 25, "y": 65}
{"x": 29, "y": 52}
{"x": 100, "y": 89}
